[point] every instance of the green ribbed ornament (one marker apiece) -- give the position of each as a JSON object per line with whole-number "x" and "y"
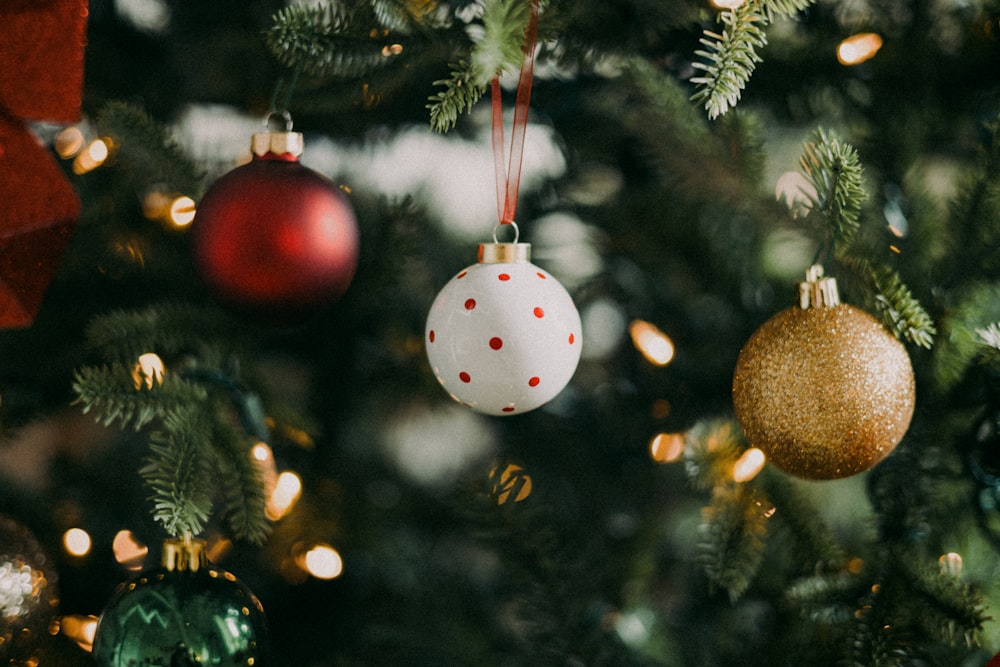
{"x": 182, "y": 614}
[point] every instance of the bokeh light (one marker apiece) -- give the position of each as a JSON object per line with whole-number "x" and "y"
{"x": 748, "y": 465}
{"x": 323, "y": 562}
{"x": 148, "y": 370}
{"x": 77, "y": 542}
{"x": 129, "y": 552}
{"x": 286, "y": 492}
{"x": 666, "y": 447}
{"x": 654, "y": 345}
{"x": 858, "y": 48}
{"x": 92, "y": 157}
{"x": 80, "y": 628}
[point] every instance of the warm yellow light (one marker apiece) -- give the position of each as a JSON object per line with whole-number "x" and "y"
{"x": 261, "y": 452}
{"x": 129, "y": 552}
{"x": 77, "y": 542}
{"x": 727, "y": 4}
{"x": 286, "y": 493}
{"x": 951, "y": 564}
{"x": 655, "y": 345}
{"x": 148, "y": 370}
{"x": 182, "y": 210}
{"x": 392, "y": 49}
{"x": 666, "y": 447}
{"x": 323, "y": 562}
{"x": 80, "y": 629}
{"x": 69, "y": 142}
{"x": 748, "y": 465}
{"x": 92, "y": 156}
{"x": 858, "y": 48}
{"x": 513, "y": 484}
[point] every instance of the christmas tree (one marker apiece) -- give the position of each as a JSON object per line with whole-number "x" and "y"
{"x": 226, "y": 224}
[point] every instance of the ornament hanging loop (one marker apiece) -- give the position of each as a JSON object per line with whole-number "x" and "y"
{"x": 272, "y": 120}
{"x": 517, "y": 231}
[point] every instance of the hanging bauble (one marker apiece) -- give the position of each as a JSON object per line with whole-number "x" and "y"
{"x": 273, "y": 237}
{"x": 28, "y": 595}
{"x": 186, "y": 612}
{"x": 503, "y": 336}
{"x": 823, "y": 388}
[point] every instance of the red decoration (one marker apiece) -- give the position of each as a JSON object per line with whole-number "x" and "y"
{"x": 41, "y": 78}
{"x": 994, "y": 662}
{"x": 273, "y": 237}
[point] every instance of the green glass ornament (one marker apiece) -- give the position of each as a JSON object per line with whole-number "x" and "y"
{"x": 186, "y": 612}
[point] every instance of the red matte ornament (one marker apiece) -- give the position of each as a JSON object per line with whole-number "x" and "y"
{"x": 274, "y": 238}
{"x": 994, "y": 662}
{"x": 41, "y": 78}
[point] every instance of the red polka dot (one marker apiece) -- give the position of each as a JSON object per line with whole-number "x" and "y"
{"x": 461, "y": 275}
{"x": 504, "y": 276}
{"x": 533, "y": 382}
{"x": 470, "y": 304}
{"x": 572, "y": 339}
{"x": 542, "y": 275}
{"x": 496, "y": 342}
{"x": 430, "y": 336}
{"x": 464, "y": 377}
{"x": 539, "y": 313}
{"x": 509, "y": 408}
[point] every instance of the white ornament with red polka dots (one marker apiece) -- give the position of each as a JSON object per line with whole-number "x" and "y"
{"x": 503, "y": 336}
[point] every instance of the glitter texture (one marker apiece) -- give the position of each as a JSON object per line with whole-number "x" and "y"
{"x": 825, "y": 392}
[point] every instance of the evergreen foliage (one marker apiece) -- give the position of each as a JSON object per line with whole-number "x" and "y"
{"x": 729, "y": 58}
{"x": 206, "y": 419}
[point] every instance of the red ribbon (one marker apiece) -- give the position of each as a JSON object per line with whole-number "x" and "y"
{"x": 508, "y": 176}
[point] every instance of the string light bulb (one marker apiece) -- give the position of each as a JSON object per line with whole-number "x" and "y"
{"x": 858, "y": 48}
{"x": 750, "y": 463}
{"x": 654, "y": 345}
{"x": 666, "y": 447}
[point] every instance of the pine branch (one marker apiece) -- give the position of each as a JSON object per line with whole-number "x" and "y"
{"x": 785, "y": 7}
{"x": 960, "y": 344}
{"x": 178, "y": 475}
{"x": 460, "y": 94}
{"x": 500, "y": 45}
{"x": 113, "y": 393}
{"x": 827, "y": 599}
{"x": 145, "y": 150}
{"x": 241, "y": 485}
{"x": 333, "y": 40}
{"x": 835, "y": 173}
{"x": 945, "y": 608}
{"x": 730, "y": 58}
{"x": 732, "y": 536}
{"x": 497, "y": 47}
{"x": 893, "y": 302}
{"x": 166, "y": 328}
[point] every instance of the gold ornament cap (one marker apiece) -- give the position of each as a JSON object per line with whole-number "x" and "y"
{"x": 277, "y": 143}
{"x": 817, "y": 291}
{"x": 184, "y": 555}
{"x": 279, "y": 138}
{"x": 505, "y": 253}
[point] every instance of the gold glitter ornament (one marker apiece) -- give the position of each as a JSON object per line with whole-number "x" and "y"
{"x": 823, "y": 388}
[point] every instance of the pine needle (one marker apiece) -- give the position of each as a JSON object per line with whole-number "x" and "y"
{"x": 899, "y": 311}
{"x": 835, "y": 173}
{"x": 145, "y": 151}
{"x": 460, "y": 94}
{"x": 178, "y": 475}
{"x": 729, "y": 58}
{"x": 732, "y": 536}
{"x": 332, "y": 40}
